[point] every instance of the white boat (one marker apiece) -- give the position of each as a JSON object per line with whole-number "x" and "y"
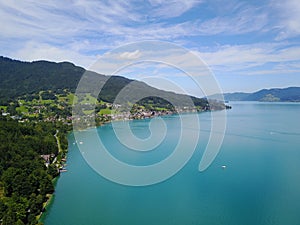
{"x": 223, "y": 167}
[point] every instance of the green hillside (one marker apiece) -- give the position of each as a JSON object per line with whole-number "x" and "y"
{"x": 20, "y": 78}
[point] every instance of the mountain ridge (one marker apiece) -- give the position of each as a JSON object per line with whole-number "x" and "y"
{"x": 289, "y": 94}
{"x": 18, "y": 78}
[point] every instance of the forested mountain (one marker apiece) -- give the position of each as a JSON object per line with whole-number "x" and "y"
{"x": 291, "y": 94}
{"x": 19, "y": 78}
{"x": 276, "y": 94}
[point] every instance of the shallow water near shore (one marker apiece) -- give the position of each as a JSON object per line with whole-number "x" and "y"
{"x": 260, "y": 184}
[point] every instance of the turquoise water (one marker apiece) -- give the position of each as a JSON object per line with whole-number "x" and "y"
{"x": 260, "y": 185}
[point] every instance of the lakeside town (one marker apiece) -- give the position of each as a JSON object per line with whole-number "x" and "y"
{"x": 48, "y": 106}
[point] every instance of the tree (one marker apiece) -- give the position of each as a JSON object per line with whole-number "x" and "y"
{"x": 8, "y": 177}
{"x": 52, "y": 170}
{"x": 46, "y": 186}
{"x": 9, "y": 218}
{"x": 31, "y": 219}
{"x": 19, "y": 222}
{"x": 3, "y": 208}
{"x": 36, "y": 204}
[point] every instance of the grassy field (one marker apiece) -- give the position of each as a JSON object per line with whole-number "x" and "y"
{"x": 22, "y": 109}
{"x": 88, "y": 112}
{"x": 89, "y": 99}
{"x": 107, "y": 111}
{"x": 69, "y": 98}
{"x": 2, "y": 107}
{"x": 44, "y": 102}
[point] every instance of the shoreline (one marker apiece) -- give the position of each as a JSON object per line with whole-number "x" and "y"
{"x": 48, "y": 203}
{"x": 227, "y": 107}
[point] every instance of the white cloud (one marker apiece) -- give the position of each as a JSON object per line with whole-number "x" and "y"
{"x": 57, "y": 21}
{"x": 239, "y": 58}
{"x": 245, "y": 21}
{"x": 112, "y": 23}
{"x": 288, "y": 18}
{"x": 39, "y": 51}
{"x": 130, "y": 55}
{"x": 172, "y": 8}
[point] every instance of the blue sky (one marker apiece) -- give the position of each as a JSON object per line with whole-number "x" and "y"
{"x": 248, "y": 45}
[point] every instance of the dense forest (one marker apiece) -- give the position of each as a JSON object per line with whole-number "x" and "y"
{"x": 25, "y": 181}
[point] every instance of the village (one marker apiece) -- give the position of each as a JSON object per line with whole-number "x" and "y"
{"x": 58, "y": 107}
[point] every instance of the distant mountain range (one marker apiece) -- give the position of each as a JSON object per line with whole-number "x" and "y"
{"x": 290, "y": 94}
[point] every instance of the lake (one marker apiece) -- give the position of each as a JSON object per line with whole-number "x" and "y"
{"x": 259, "y": 186}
